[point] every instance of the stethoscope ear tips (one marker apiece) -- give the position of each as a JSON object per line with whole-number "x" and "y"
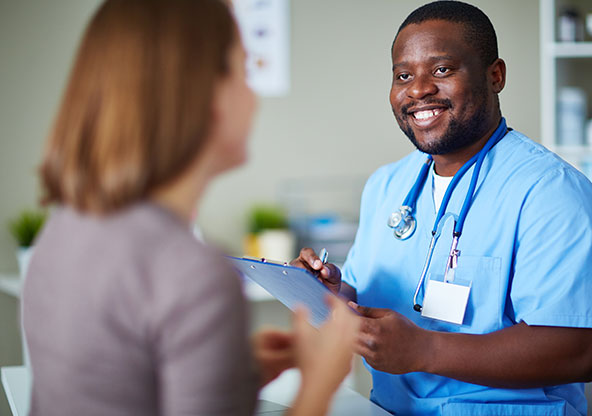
{"x": 417, "y": 307}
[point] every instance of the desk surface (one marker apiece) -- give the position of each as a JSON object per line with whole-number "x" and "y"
{"x": 17, "y": 385}
{"x": 346, "y": 402}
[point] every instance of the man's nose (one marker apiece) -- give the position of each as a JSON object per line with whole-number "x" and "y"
{"x": 422, "y": 86}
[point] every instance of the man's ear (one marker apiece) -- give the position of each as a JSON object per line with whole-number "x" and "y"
{"x": 497, "y": 75}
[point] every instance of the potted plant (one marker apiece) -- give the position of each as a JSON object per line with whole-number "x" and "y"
{"x": 269, "y": 235}
{"x": 24, "y": 228}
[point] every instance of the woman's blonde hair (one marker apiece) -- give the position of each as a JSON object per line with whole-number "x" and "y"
{"x": 137, "y": 107}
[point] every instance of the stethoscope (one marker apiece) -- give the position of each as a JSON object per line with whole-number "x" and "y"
{"x": 404, "y": 223}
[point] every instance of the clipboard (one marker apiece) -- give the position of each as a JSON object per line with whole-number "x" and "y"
{"x": 290, "y": 285}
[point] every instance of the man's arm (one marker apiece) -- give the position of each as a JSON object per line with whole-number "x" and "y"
{"x": 520, "y": 356}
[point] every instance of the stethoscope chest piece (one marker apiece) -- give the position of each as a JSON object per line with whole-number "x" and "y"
{"x": 402, "y": 223}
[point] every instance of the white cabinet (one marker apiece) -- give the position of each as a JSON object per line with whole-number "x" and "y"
{"x": 565, "y": 64}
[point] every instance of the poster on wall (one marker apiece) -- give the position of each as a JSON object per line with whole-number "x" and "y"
{"x": 264, "y": 26}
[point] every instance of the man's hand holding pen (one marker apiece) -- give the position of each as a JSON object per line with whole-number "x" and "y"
{"x": 327, "y": 273}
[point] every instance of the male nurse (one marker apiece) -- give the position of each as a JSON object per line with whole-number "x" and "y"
{"x": 523, "y": 271}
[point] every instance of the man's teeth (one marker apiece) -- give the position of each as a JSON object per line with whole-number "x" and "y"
{"x": 423, "y": 115}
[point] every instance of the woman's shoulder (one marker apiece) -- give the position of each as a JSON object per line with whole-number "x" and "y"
{"x": 178, "y": 261}
{"x": 143, "y": 253}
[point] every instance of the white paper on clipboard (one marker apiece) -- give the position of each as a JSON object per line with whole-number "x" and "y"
{"x": 292, "y": 286}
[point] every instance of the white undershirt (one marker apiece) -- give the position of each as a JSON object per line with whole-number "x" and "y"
{"x": 439, "y": 186}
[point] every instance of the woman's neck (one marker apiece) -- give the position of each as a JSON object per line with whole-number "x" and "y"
{"x": 181, "y": 196}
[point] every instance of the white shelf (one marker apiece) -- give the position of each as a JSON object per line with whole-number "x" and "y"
{"x": 582, "y": 150}
{"x": 570, "y": 49}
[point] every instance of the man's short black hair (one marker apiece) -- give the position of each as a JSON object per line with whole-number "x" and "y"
{"x": 479, "y": 31}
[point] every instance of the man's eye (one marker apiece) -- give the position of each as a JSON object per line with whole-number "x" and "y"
{"x": 403, "y": 77}
{"x": 442, "y": 70}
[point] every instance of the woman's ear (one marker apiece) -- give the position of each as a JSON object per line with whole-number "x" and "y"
{"x": 497, "y": 74}
{"x": 217, "y": 105}
{"x": 220, "y": 107}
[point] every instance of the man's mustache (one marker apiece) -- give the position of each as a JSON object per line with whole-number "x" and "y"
{"x": 441, "y": 102}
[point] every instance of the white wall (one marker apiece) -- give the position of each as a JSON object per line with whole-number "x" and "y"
{"x": 336, "y": 120}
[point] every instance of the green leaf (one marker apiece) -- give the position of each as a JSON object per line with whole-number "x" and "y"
{"x": 26, "y": 226}
{"x": 266, "y": 217}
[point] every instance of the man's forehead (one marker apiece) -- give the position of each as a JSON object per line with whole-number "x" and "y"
{"x": 441, "y": 37}
{"x": 432, "y": 58}
{"x": 433, "y": 27}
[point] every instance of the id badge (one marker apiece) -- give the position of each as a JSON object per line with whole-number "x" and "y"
{"x": 445, "y": 301}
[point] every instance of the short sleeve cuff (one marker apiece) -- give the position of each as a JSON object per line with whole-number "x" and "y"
{"x": 542, "y": 318}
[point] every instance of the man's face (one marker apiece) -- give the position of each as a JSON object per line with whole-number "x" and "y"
{"x": 439, "y": 95}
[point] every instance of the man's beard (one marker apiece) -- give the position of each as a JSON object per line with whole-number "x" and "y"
{"x": 458, "y": 135}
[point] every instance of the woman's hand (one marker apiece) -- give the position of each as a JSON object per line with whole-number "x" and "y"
{"x": 323, "y": 356}
{"x": 274, "y": 353}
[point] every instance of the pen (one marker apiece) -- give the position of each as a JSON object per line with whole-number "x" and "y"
{"x": 323, "y": 255}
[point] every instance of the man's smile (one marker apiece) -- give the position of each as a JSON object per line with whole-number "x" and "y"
{"x": 425, "y": 116}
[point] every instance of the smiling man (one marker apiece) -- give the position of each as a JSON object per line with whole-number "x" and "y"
{"x": 498, "y": 319}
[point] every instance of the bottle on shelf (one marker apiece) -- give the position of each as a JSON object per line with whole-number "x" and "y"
{"x": 570, "y": 27}
{"x": 571, "y": 116}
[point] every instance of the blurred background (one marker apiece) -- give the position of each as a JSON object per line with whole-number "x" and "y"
{"x": 311, "y": 148}
{"x": 331, "y": 130}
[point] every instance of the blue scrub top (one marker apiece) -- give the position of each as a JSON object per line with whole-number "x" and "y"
{"x": 526, "y": 248}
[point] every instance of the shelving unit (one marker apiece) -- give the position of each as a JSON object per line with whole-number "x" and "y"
{"x": 563, "y": 64}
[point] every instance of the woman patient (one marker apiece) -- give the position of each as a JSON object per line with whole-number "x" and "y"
{"x": 125, "y": 312}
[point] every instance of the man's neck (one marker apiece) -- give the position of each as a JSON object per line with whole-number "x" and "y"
{"x": 450, "y": 163}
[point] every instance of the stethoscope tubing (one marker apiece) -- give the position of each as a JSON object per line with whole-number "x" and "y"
{"x": 411, "y": 198}
{"x": 495, "y": 137}
{"x": 417, "y": 306}
{"x": 476, "y": 160}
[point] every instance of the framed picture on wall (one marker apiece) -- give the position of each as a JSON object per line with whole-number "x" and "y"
{"x": 265, "y": 29}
